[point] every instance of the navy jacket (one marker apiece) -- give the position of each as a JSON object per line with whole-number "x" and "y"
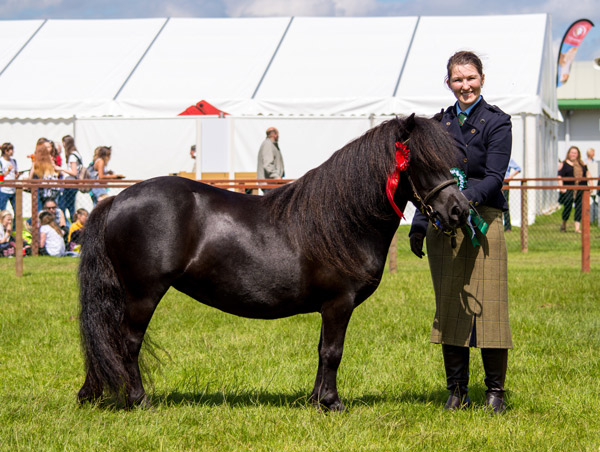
{"x": 484, "y": 144}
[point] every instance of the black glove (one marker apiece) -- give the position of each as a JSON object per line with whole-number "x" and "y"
{"x": 416, "y": 244}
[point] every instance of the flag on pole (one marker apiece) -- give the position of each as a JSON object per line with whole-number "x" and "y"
{"x": 568, "y": 48}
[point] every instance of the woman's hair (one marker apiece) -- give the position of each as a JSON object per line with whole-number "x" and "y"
{"x": 48, "y": 218}
{"x": 53, "y": 149}
{"x": 463, "y": 58}
{"x": 81, "y": 212}
{"x": 6, "y": 147}
{"x": 69, "y": 144}
{"x": 102, "y": 152}
{"x": 578, "y": 160}
{"x": 43, "y": 164}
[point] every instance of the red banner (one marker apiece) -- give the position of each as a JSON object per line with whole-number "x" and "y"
{"x": 568, "y": 48}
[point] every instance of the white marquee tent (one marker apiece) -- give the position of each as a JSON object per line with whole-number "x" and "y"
{"x": 321, "y": 81}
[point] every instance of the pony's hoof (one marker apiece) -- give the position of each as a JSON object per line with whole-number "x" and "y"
{"x": 142, "y": 402}
{"x": 335, "y": 405}
{"x": 86, "y": 395}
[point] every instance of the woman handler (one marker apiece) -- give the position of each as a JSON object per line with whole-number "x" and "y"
{"x": 470, "y": 278}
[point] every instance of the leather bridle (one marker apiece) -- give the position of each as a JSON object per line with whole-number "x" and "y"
{"x": 428, "y": 210}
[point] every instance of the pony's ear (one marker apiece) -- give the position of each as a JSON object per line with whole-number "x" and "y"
{"x": 438, "y": 116}
{"x": 410, "y": 123}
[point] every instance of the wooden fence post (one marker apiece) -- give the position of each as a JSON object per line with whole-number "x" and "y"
{"x": 19, "y": 232}
{"x": 524, "y": 219}
{"x": 585, "y": 232}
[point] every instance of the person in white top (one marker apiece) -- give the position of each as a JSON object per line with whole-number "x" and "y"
{"x": 74, "y": 162}
{"x": 10, "y": 171}
{"x": 51, "y": 236}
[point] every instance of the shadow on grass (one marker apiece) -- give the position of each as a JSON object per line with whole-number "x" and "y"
{"x": 231, "y": 398}
{"x": 299, "y": 399}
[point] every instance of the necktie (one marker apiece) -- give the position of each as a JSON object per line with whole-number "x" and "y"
{"x": 461, "y": 118}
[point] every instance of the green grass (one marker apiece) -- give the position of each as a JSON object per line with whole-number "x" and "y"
{"x": 227, "y": 383}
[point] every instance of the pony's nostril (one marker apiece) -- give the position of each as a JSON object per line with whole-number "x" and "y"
{"x": 455, "y": 212}
{"x": 458, "y": 214}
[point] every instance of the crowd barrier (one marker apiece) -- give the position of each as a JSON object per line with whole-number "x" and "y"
{"x": 252, "y": 185}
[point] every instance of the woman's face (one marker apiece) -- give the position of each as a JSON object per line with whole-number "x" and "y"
{"x": 6, "y": 221}
{"x": 573, "y": 154}
{"x": 465, "y": 83}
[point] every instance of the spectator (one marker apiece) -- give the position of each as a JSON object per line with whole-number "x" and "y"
{"x": 43, "y": 167}
{"x": 10, "y": 171}
{"x": 74, "y": 164}
{"x": 75, "y": 236}
{"x": 59, "y": 216}
{"x": 572, "y": 166}
{"x": 512, "y": 170}
{"x": 193, "y": 156}
{"x": 270, "y": 161}
{"x": 592, "y": 166}
{"x": 470, "y": 279}
{"x": 51, "y": 236}
{"x": 99, "y": 171}
{"x": 7, "y": 244}
{"x": 55, "y": 151}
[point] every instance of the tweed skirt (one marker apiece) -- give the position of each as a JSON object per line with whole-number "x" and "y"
{"x": 470, "y": 284}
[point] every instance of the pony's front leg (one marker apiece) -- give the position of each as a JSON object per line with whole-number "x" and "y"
{"x": 335, "y": 317}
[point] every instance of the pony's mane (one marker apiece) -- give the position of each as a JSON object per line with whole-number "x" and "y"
{"x": 327, "y": 209}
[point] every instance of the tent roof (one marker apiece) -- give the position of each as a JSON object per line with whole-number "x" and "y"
{"x": 304, "y": 65}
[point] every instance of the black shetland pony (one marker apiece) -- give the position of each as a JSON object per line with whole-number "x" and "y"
{"x": 318, "y": 244}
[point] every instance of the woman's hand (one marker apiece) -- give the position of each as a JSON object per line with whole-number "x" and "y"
{"x": 416, "y": 244}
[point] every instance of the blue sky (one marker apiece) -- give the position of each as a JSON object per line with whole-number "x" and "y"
{"x": 563, "y": 12}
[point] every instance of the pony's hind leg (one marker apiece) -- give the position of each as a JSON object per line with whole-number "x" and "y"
{"x": 135, "y": 322}
{"x": 335, "y": 317}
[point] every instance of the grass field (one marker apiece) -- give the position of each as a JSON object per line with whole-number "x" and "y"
{"x": 232, "y": 384}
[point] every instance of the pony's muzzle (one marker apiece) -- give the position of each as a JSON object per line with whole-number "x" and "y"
{"x": 458, "y": 215}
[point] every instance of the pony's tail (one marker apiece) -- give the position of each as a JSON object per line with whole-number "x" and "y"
{"x": 102, "y": 304}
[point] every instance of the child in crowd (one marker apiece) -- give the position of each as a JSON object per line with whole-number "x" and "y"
{"x": 7, "y": 245}
{"x": 76, "y": 231}
{"x": 51, "y": 236}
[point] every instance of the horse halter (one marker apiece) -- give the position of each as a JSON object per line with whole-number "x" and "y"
{"x": 426, "y": 209}
{"x": 402, "y": 165}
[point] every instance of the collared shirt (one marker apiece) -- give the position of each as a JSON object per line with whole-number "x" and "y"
{"x": 512, "y": 165}
{"x": 468, "y": 110}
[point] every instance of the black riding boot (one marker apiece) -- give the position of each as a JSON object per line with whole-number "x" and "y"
{"x": 456, "y": 362}
{"x": 495, "y": 361}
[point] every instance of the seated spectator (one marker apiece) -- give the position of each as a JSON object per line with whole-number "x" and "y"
{"x": 52, "y": 242}
{"x": 59, "y": 216}
{"x": 7, "y": 244}
{"x": 76, "y": 231}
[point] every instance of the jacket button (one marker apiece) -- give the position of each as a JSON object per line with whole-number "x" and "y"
{"x": 476, "y": 204}
{"x": 472, "y": 130}
{"x": 448, "y": 123}
{"x": 465, "y": 160}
